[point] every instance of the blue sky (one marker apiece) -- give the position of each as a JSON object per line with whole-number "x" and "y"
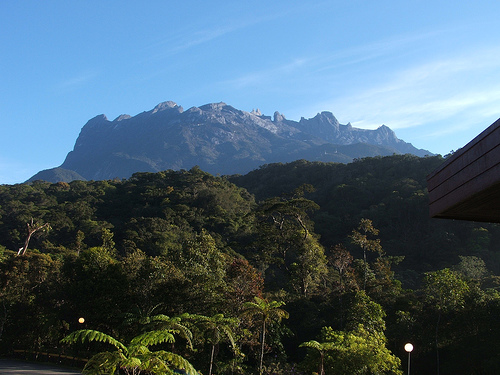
{"x": 430, "y": 70}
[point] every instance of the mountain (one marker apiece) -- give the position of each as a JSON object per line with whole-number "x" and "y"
{"x": 216, "y": 137}
{"x": 56, "y": 175}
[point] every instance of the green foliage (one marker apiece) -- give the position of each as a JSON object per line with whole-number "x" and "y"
{"x": 91, "y": 335}
{"x": 445, "y": 289}
{"x": 309, "y": 269}
{"x": 215, "y": 329}
{"x": 151, "y": 251}
{"x": 30, "y": 300}
{"x": 136, "y": 358}
{"x": 321, "y": 348}
{"x": 360, "y": 238}
{"x": 358, "y": 352}
{"x": 364, "y": 311}
{"x": 174, "y": 324}
{"x": 391, "y": 192}
{"x": 265, "y": 312}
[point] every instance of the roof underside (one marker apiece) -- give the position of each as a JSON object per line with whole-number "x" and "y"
{"x": 467, "y": 185}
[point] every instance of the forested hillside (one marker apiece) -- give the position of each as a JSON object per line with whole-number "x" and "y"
{"x": 390, "y": 191}
{"x": 293, "y": 268}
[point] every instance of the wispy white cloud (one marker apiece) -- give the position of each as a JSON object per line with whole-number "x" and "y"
{"x": 195, "y": 35}
{"x": 76, "y": 81}
{"x": 381, "y": 49}
{"x": 432, "y": 91}
{"x": 259, "y": 78}
{"x": 182, "y": 41}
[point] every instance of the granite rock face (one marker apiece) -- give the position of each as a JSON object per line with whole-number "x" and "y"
{"x": 219, "y": 139}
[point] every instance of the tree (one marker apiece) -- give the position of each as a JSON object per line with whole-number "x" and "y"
{"x": 243, "y": 282}
{"x": 30, "y": 300}
{"x": 445, "y": 290}
{"x": 341, "y": 260}
{"x": 32, "y": 229}
{"x": 309, "y": 269}
{"x": 161, "y": 322}
{"x": 321, "y": 348}
{"x": 266, "y": 312}
{"x": 285, "y": 221}
{"x": 358, "y": 352}
{"x": 361, "y": 348}
{"x": 366, "y": 312}
{"x": 216, "y": 328}
{"x": 360, "y": 237}
{"x": 134, "y": 359}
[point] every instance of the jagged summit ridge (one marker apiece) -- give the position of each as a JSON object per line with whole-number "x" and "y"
{"x": 218, "y": 138}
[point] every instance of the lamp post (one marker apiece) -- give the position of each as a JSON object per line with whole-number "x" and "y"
{"x": 409, "y": 348}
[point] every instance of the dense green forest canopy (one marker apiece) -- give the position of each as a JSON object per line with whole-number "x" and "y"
{"x": 346, "y": 251}
{"x": 390, "y": 191}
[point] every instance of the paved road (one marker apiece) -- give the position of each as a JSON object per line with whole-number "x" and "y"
{"x": 11, "y": 367}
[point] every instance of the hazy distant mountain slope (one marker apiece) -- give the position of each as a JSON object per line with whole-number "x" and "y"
{"x": 57, "y": 174}
{"x": 219, "y": 139}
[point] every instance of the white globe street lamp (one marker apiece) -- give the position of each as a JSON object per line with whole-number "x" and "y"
{"x": 409, "y": 348}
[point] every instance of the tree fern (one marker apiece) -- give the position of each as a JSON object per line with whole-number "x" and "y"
{"x": 91, "y": 335}
{"x": 154, "y": 337}
{"x": 173, "y": 323}
{"x": 266, "y": 311}
{"x": 136, "y": 358}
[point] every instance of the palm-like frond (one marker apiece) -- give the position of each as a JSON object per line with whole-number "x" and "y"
{"x": 166, "y": 319}
{"x": 217, "y": 326}
{"x": 311, "y": 344}
{"x": 154, "y": 337}
{"x": 137, "y": 357}
{"x": 176, "y": 361}
{"x": 138, "y": 350}
{"x": 103, "y": 363}
{"x": 138, "y": 315}
{"x": 91, "y": 335}
{"x": 228, "y": 333}
{"x": 265, "y": 309}
{"x": 278, "y": 314}
{"x": 155, "y": 365}
{"x": 174, "y": 323}
{"x": 131, "y": 362}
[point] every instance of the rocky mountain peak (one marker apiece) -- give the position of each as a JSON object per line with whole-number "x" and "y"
{"x": 96, "y": 121}
{"x": 219, "y": 139}
{"x": 327, "y": 117}
{"x": 164, "y": 106}
{"x": 122, "y": 117}
{"x": 213, "y": 106}
{"x": 99, "y": 118}
{"x": 387, "y": 132}
{"x": 278, "y": 117}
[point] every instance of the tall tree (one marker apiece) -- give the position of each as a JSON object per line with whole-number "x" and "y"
{"x": 321, "y": 348}
{"x": 361, "y": 238}
{"x": 32, "y": 229}
{"x": 309, "y": 268}
{"x": 285, "y": 220}
{"x": 341, "y": 260}
{"x": 216, "y": 329}
{"x": 445, "y": 290}
{"x": 266, "y": 312}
